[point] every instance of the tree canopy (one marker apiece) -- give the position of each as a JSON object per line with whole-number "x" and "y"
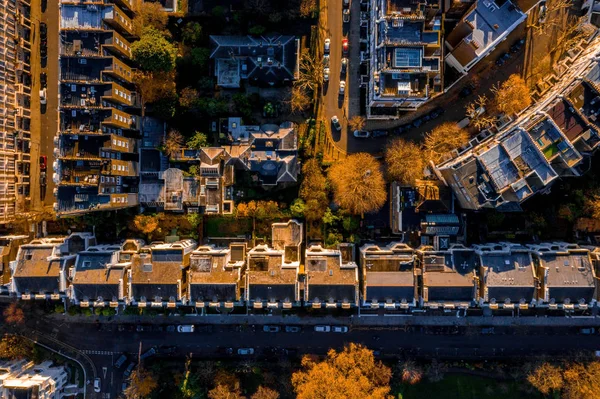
{"x": 357, "y": 122}
{"x": 313, "y": 190}
{"x": 404, "y": 161}
{"x": 15, "y": 347}
{"x": 358, "y": 184}
{"x": 513, "y": 95}
{"x": 153, "y": 52}
{"x": 352, "y": 373}
{"x": 155, "y": 86}
{"x": 141, "y": 384}
{"x": 443, "y": 139}
{"x": 150, "y": 14}
{"x": 146, "y": 224}
{"x": 197, "y": 141}
{"x": 13, "y": 314}
{"x": 569, "y": 381}
{"x": 173, "y": 143}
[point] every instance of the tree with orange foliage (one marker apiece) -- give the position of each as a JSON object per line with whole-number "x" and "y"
{"x": 154, "y": 86}
{"x": 15, "y": 347}
{"x": 146, "y": 224}
{"x": 265, "y": 393}
{"x": 546, "y": 378}
{"x": 224, "y": 392}
{"x": 358, "y": 184}
{"x": 141, "y": 384}
{"x": 410, "y": 372}
{"x": 512, "y": 96}
{"x": 357, "y": 122}
{"x": 13, "y": 314}
{"x": 173, "y": 143}
{"x": 404, "y": 161}
{"x": 443, "y": 139}
{"x": 150, "y": 14}
{"x": 352, "y": 373}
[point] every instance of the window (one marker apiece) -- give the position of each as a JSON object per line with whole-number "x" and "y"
{"x": 114, "y": 141}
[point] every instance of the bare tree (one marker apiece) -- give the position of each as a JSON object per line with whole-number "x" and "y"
{"x": 357, "y": 122}
{"x": 311, "y": 72}
{"x": 173, "y": 143}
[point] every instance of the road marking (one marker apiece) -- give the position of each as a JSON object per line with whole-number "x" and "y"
{"x": 104, "y": 370}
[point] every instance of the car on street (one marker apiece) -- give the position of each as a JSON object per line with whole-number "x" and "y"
{"x": 326, "y": 74}
{"x": 148, "y": 353}
{"x": 43, "y": 31}
{"x": 340, "y": 329}
{"x": 336, "y": 123}
{"x": 361, "y": 134}
{"x": 517, "y": 46}
{"x": 129, "y": 369}
{"x": 400, "y": 129}
{"x": 379, "y": 133}
{"x": 438, "y": 111}
{"x": 587, "y": 331}
{"x": 185, "y": 328}
{"x": 271, "y": 329}
{"x": 346, "y": 15}
{"x": 344, "y": 68}
{"x": 43, "y": 179}
{"x": 327, "y": 45}
{"x": 487, "y": 331}
{"x": 502, "y": 59}
{"x": 124, "y": 386}
{"x": 43, "y": 162}
{"x": 43, "y": 79}
{"x": 326, "y": 60}
{"x": 467, "y": 90}
{"x": 97, "y": 385}
{"x": 417, "y": 122}
{"x": 345, "y": 47}
{"x": 322, "y": 328}
{"x": 346, "y": 3}
{"x": 43, "y": 50}
{"x": 292, "y": 329}
{"x": 170, "y": 328}
{"x": 43, "y": 96}
{"x": 342, "y": 87}
{"x": 122, "y": 359}
{"x": 245, "y": 351}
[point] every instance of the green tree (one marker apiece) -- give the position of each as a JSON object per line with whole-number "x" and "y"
{"x": 197, "y": 141}
{"x": 329, "y": 217}
{"x": 191, "y": 33}
{"x": 199, "y": 57}
{"x": 297, "y": 208}
{"x": 257, "y": 30}
{"x": 242, "y": 105}
{"x": 218, "y": 11}
{"x": 153, "y": 52}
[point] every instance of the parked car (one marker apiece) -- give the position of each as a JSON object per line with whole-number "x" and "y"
{"x": 340, "y": 329}
{"x": 361, "y": 134}
{"x": 487, "y": 331}
{"x": 346, "y": 15}
{"x": 97, "y": 385}
{"x": 327, "y": 45}
{"x": 148, "y": 353}
{"x": 336, "y": 123}
{"x": 122, "y": 359}
{"x": 43, "y": 100}
{"x": 43, "y": 162}
{"x": 271, "y": 329}
{"x": 436, "y": 112}
{"x": 467, "y": 90}
{"x": 400, "y": 129}
{"x": 379, "y": 133}
{"x": 124, "y": 386}
{"x": 129, "y": 369}
{"x": 344, "y": 68}
{"x": 417, "y": 122}
{"x": 346, "y": 3}
{"x": 43, "y": 179}
{"x": 517, "y": 46}
{"x": 326, "y": 74}
{"x": 245, "y": 351}
{"x": 345, "y": 47}
{"x": 170, "y": 328}
{"x": 502, "y": 59}
{"x": 292, "y": 329}
{"x": 322, "y": 328}
{"x": 43, "y": 50}
{"x": 587, "y": 331}
{"x": 43, "y": 79}
{"x": 342, "y": 87}
{"x": 185, "y": 328}
{"x": 43, "y": 32}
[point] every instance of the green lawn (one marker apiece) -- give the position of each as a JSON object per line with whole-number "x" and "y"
{"x": 468, "y": 387}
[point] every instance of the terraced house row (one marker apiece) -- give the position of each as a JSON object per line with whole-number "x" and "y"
{"x": 284, "y": 274}
{"x": 97, "y": 145}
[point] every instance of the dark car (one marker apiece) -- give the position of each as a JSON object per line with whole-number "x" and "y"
{"x": 271, "y": 329}
{"x": 400, "y": 129}
{"x": 417, "y": 123}
{"x": 43, "y": 79}
{"x": 129, "y": 369}
{"x": 170, "y": 328}
{"x": 43, "y": 51}
{"x": 502, "y": 59}
{"x": 517, "y": 46}
{"x": 43, "y": 32}
{"x": 292, "y": 329}
{"x": 122, "y": 359}
{"x": 43, "y": 162}
{"x": 436, "y": 112}
{"x": 379, "y": 133}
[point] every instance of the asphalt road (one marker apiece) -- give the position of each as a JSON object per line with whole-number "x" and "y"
{"x": 103, "y": 343}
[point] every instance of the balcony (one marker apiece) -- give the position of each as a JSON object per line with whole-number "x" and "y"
{"x": 76, "y": 154}
{"x": 118, "y": 20}
{"x": 116, "y": 92}
{"x": 117, "y": 43}
{"x": 119, "y": 70}
{"x": 71, "y": 177}
{"x": 121, "y": 120}
{"x": 120, "y": 144}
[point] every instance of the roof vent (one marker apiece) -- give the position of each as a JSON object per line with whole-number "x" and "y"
{"x": 330, "y": 272}
{"x": 147, "y": 267}
{"x": 272, "y": 273}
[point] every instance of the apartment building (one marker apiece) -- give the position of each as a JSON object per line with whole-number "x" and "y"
{"x": 9, "y": 248}
{"x": 406, "y": 64}
{"x": 97, "y": 145}
{"x": 23, "y": 379}
{"x": 486, "y": 24}
{"x": 268, "y": 152}
{"x": 15, "y": 112}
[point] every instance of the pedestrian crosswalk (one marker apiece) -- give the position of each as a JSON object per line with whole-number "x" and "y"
{"x": 105, "y": 353}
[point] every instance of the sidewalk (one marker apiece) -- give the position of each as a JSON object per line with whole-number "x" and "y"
{"x": 395, "y": 321}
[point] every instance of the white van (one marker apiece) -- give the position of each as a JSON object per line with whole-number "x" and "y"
{"x": 185, "y": 329}
{"x": 322, "y": 328}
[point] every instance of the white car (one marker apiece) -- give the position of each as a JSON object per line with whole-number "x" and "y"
{"x": 97, "y": 385}
{"x": 342, "y": 87}
{"x": 346, "y": 15}
{"x": 43, "y": 96}
{"x": 361, "y": 134}
{"x": 185, "y": 329}
{"x": 322, "y": 328}
{"x": 246, "y": 351}
{"x": 326, "y": 74}
{"x": 336, "y": 123}
{"x": 327, "y": 45}
{"x": 346, "y": 3}
{"x": 340, "y": 329}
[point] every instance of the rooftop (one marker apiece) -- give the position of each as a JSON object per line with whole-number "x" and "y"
{"x": 266, "y": 266}
{"x": 324, "y": 267}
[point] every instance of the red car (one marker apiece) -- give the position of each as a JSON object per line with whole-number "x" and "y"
{"x": 43, "y": 163}
{"x": 345, "y": 47}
